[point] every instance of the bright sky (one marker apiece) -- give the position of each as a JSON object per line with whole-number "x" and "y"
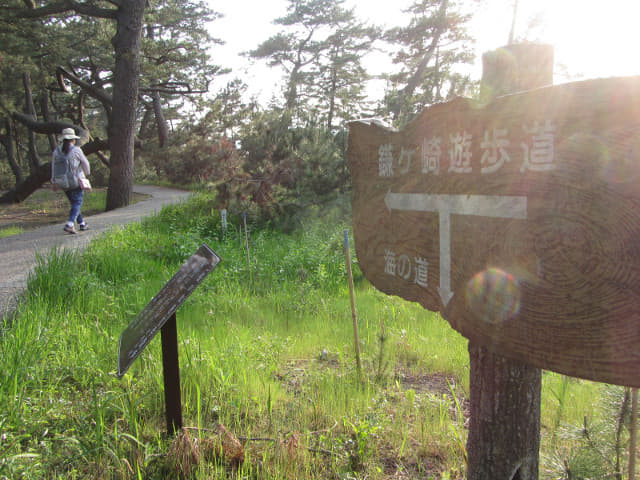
{"x": 592, "y": 38}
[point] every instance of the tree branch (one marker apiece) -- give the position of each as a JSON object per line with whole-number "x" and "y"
{"x": 7, "y": 142}
{"x": 60, "y": 7}
{"x": 40, "y": 12}
{"x": 161, "y": 123}
{"x": 95, "y": 145}
{"x": 34, "y": 158}
{"x": 28, "y": 186}
{"x": 60, "y": 81}
{"x": 92, "y": 11}
{"x": 51, "y": 127}
{"x": 97, "y": 93}
{"x": 172, "y": 91}
{"x": 103, "y": 158}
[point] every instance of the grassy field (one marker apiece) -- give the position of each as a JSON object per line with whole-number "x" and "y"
{"x": 270, "y": 388}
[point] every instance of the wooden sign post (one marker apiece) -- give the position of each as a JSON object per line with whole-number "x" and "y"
{"x": 160, "y": 314}
{"x": 518, "y": 221}
{"x": 504, "y": 394}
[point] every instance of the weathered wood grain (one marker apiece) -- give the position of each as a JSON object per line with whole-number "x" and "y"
{"x": 557, "y": 288}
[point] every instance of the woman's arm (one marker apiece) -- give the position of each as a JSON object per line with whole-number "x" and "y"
{"x": 84, "y": 163}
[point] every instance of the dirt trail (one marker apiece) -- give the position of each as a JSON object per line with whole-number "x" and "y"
{"x": 18, "y": 252}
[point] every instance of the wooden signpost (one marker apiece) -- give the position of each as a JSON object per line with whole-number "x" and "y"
{"x": 519, "y": 222}
{"x": 160, "y": 315}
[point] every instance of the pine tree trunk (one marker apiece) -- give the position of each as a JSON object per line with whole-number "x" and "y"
{"x": 6, "y": 141}
{"x": 30, "y": 109}
{"x": 127, "y": 43}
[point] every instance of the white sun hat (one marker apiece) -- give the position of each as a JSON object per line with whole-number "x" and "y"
{"x": 69, "y": 134}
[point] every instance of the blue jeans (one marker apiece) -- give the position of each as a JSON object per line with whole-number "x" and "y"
{"x": 75, "y": 197}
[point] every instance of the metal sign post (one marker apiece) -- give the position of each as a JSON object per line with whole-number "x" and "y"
{"x": 171, "y": 369}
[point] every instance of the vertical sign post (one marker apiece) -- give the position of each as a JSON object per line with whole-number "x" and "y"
{"x": 518, "y": 221}
{"x": 505, "y": 395}
{"x": 171, "y": 369}
{"x": 353, "y": 302}
{"x": 633, "y": 434}
{"x": 223, "y": 222}
{"x": 160, "y": 315}
{"x": 246, "y": 241}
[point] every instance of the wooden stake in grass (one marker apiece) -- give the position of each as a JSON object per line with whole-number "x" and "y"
{"x": 246, "y": 241}
{"x": 353, "y": 302}
{"x": 223, "y": 222}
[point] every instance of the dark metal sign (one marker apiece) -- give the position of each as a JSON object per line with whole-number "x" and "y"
{"x": 152, "y": 318}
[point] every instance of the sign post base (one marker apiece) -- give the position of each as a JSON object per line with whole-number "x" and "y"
{"x": 504, "y": 428}
{"x": 171, "y": 369}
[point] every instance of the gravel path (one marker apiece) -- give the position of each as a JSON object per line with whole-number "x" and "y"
{"x": 18, "y": 252}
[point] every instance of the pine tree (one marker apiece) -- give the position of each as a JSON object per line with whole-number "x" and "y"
{"x": 428, "y": 50}
{"x": 320, "y": 50}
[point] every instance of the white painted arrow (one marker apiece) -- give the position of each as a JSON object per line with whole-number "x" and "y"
{"x": 445, "y": 258}
{"x": 445, "y": 206}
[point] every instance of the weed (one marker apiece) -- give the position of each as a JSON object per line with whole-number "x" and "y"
{"x": 381, "y": 363}
{"x": 250, "y": 360}
{"x": 363, "y": 436}
{"x": 8, "y": 231}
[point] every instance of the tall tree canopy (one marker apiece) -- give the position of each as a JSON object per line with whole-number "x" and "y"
{"x": 429, "y": 47}
{"x": 320, "y": 50}
{"x": 176, "y": 65}
{"x": 338, "y": 77}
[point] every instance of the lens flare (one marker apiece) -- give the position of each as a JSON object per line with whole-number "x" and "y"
{"x": 493, "y": 295}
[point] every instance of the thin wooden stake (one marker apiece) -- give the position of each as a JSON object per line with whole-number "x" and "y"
{"x": 633, "y": 434}
{"x": 354, "y": 315}
{"x": 246, "y": 241}
{"x": 223, "y": 222}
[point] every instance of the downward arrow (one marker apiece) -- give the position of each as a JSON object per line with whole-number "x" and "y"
{"x": 446, "y": 205}
{"x": 445, "y": 258}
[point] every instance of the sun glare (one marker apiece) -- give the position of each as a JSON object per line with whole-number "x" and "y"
{"x": 592, "y": 38}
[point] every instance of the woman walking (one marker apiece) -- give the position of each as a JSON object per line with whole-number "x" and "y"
{"x": 78, "y": 168}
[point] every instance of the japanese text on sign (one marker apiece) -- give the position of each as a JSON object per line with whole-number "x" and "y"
{"x": 537, "y": 152}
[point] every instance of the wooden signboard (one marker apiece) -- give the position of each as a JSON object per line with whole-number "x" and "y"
{"x": 519, "y": 222}
{"x": 164, "y": 305}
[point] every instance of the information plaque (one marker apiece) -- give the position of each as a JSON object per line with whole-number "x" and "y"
{"x": 153, "y": 317}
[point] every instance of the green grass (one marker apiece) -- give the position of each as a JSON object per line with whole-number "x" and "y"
{"x": 8, "y": 231}
{"x": 266, "y": 349}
